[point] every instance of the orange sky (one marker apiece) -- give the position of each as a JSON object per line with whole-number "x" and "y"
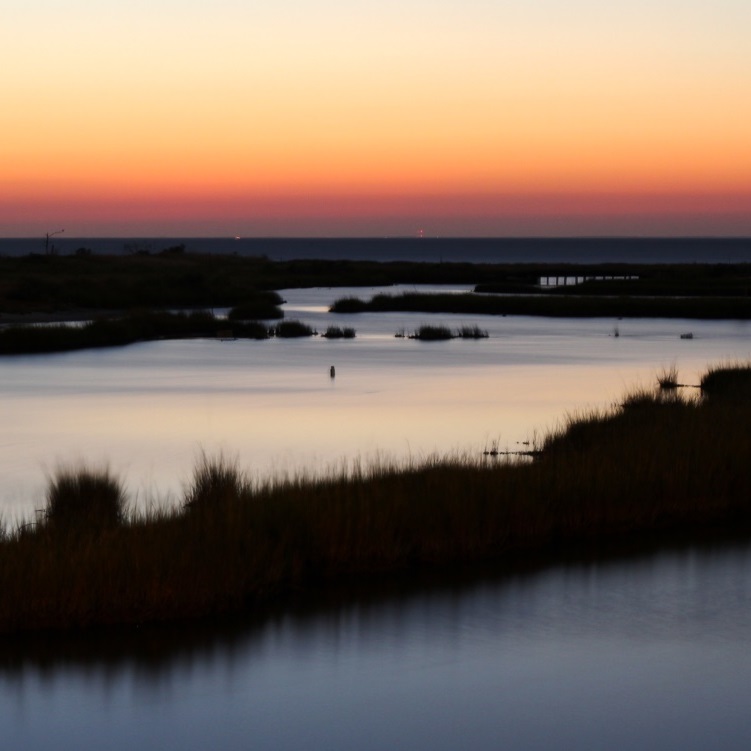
{"x": 327, "y": 119}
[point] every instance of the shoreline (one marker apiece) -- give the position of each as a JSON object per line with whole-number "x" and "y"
{"x": 655, "y": 467}
{"x": 61, "y": 317}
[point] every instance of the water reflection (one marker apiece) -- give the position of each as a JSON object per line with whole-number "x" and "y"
{"x": 645, "y": 651}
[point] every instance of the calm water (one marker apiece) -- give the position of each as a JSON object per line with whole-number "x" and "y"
{"x": 646, "y": 653}
{"x": 640, "y": 653}
{"x": 149, "y": 409}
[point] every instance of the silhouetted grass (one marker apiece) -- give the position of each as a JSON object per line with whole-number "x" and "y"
{"x": 84, "y": 501}
{"x": 216, "y": 483}
{"x": 441, "y": 333}
{"x": 351, "y": 305}
{"x": 581, "y": 306}
{"x": 179, "y": 278}
{"x": 292, "y": 329}
{"x": 139, "y": 327}
{"x": 112, "y": 332}
{"x": 335, "y": 332}
{"x": 250, "y": 330}
{"x": 432, "y": 333}
{"x": 667, "y": 378}
{"x": 472, "y": 332}
{"x": 654, "y": 463}
{"x": 727, "y": 382}
{"x": 263, "y": 307}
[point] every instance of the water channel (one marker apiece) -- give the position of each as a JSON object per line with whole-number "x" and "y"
{"x": 641, "y": 652}
{"x": 648, "y": 651}
{"x": 150, "y": 409}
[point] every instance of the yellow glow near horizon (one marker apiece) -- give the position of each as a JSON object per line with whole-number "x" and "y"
{"x": 164, "y": 104}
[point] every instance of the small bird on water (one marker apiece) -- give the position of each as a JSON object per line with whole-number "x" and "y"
{"x": 332, "y": 372}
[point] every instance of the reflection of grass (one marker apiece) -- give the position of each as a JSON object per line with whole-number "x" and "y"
{"x": 656, "y": 463}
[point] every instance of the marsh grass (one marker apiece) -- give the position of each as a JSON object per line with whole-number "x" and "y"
{"x": 472, "y": 332}
{"x": 263, "y": 306}
{"x": 654, "y": 464}
{"x": 441, "y": 333}
{"x": 727, "y": 382}
{"x": 667, "y": 378}
{"x": 84, "y": 500}
{"x": 553, "y": 305}
{"x": 335, "y": 332}
{"x": 137, "y": 326}
{"x": 429, "y": 333}
{"x": 292, "y": 329}
{"x": 216, "y": 482}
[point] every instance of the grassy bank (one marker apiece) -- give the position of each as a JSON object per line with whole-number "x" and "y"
{"x": 569, "y": 305}
{"x": 84, "y": 287}
{"x": 139, "y": 327}
{"x": 128, "y": 329}
{"x": 655, "y": 463}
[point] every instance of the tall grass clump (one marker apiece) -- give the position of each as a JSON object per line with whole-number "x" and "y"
{"x": 667, "y": 378}
{"x": 432, "y": 333}
{"x": 250, "y": 330}
{"x": 263, "y": 306}
{"x": 216, "y": 482}
{"x": 335, "y": 332}
{"x": 84, "y": 499}
{"x": 348, "y": 305}
{"x": 292, "y": 329}
{"x": 731, "y": 381}
{"x": 472, "y": 332}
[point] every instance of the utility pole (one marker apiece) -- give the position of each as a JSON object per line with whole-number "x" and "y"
{"x": 47, "y": 240}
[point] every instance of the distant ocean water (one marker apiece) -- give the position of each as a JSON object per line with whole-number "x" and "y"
{"x": 469, "y": 250}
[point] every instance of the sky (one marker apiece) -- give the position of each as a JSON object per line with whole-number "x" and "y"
{"x": 375, "y": 118}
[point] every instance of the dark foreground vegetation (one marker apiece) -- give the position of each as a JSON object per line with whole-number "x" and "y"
{"x": 657, "y": 463}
